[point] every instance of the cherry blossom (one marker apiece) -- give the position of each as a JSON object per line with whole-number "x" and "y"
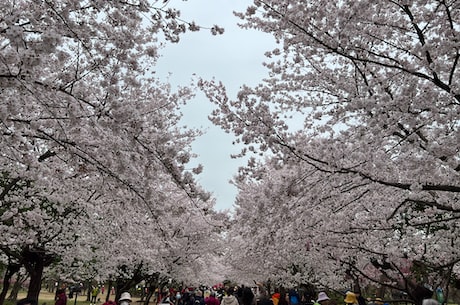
{"x": 371, "y": 178}
{"x": 92, "y": 153}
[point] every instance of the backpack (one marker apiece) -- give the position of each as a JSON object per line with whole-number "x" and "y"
{"x": 294, "y": 298}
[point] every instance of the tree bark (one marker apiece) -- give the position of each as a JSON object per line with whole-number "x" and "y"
{"x": 20, "y": 279}
{"x": 124, "y": 285}
{"x": 35, "y": 260}
{"x": 11, "y": 269}
{"x": 35, "y": 269}
{"x": 109, "y": 290}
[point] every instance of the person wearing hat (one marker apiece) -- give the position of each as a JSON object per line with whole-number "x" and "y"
{"x": 61, "y": 297}
{"x": 276, "y": 298}
{"x": 350, "y": 298}
{"x": 323, "y": 299}
{"x": 229, "y": 297}
{"x": 378, "y": 301}
{"x": 125, "y": 299}
{"x": 359, "y": 298}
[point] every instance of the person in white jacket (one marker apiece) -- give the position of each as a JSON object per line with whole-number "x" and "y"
{"x": 229, "y": 297}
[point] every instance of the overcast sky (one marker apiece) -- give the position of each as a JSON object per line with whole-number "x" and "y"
{"x": 235, "y": 58}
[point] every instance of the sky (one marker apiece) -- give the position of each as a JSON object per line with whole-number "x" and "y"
{"x": 235, "y": 58}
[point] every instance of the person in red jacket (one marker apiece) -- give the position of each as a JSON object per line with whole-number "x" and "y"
{"x": 212, "y": 300}
{"x": 61, "y": 297}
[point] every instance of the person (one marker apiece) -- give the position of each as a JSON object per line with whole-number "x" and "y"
{"x": 421, "y": 293}
{"x": 178, "y": 298}
{"x": 186, "y": 298}
{"x": 94, "y": 293}
{"x": 61, "y": 297}
{"x": 375, "y": 301}
{"x": 276, "y": 297}
{"x": 294, "y": 298}
{"x": 350, "y": 298}
{"x": 361, "y": 300}
{"x": 167, "y": 299}
{"x": 125, "y": 299}
{"x": 247, "y": 296}
{"x": 212, "y": 300}
{"x": 238, "y": 292}
{"x": 323, "y": 298}
{"x": 199, "y": 300}
{"x": 264, "y": 298}
{"x": 229, "y": 297}
{"x": 284, "y": 297}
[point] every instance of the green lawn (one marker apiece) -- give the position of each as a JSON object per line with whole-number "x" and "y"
{"x": 47, "y": 298}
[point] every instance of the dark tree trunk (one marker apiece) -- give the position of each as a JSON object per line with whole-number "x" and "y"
{"x": 35, "y": 260}
{"x": 89, "y": 291}
{"x": 20, "y": 279}
{"x": 124, "y": 285}
{"x": 35, "y": 269}
{"x": 151, "y": 291}
{"x": 152, "y": 283}
{"x": 109, "y": 290}
{"x": 10, "y": 271}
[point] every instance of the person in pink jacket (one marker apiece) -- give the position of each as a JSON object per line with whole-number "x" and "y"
{"x": 212, "y": 300}
{"x": 61, "y": 297}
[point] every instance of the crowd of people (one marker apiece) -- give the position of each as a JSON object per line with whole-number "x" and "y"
{"x": 242, "y": 296}
{"x": 260, "y": 296}
{"x": 251, "y": 296}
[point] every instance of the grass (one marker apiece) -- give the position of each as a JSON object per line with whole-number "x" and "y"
{"x": 47, "y": 298}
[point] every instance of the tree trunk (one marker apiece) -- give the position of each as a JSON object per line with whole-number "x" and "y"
{"x": 109, "y": 290}
{"x": 35, "y": 270}
{"x": 34, "y": 262}
{"x": 150, "y": 292}
{"x": 89, "y": 291}
{"x": 124, "y": 285}
{"x": 10, "y": 271}
{"x": 20, "y": 279}
{"x": 152, "y": 284}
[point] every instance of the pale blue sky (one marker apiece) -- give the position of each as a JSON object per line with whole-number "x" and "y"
{"x": 235, "y": 58}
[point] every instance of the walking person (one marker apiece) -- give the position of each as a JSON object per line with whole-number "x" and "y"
{"x": 167, "y": 299}
{"x": 284, "y": 297}
{"x": 276, "y": 297}
{"x": 198, "y": 297}
{"x": 61, "y": 297}
{"x": 125, "y": 299}
{"x": 212, "y": 300}
{"x": 323, "y": 299}
{"x": 350, "y": 298}
{"x": 264, "y": 298}
{"x": 94, "y": 294}
{"x": 229, "y": 297}
{"x": 247, "y": 296}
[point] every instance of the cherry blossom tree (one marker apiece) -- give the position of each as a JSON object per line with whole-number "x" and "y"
{"x": 85, "y": 126}
{"x": 375, "y": 85}
{"x": 124, "y": 244}
{"x": 289, "y": 233}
